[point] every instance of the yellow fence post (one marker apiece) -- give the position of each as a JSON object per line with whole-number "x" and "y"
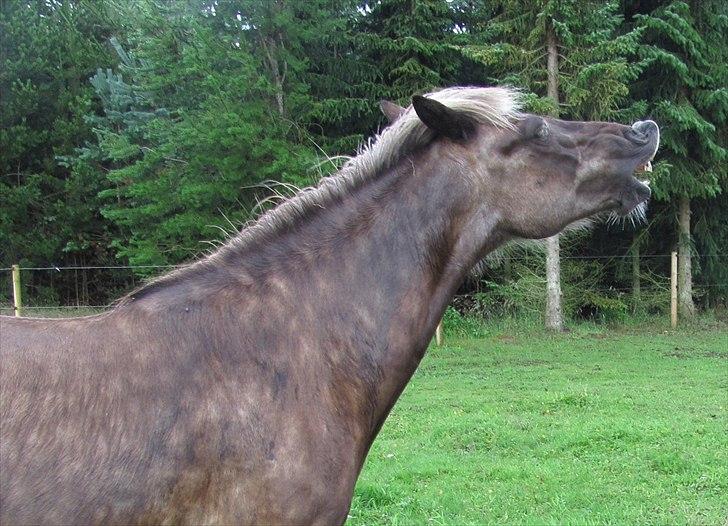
{"x": 438, "y": 334}
{"x": 17, "y": 293}
{"x": 673, "y": 290}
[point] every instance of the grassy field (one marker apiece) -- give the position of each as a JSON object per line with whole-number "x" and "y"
{"x": 598, "y": 426}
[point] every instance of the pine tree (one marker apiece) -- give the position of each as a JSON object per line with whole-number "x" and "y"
{"x": 187, "y": 129}
{"x": 570, "y": 52}
{"x": 48, "y": 212}
{"x": 685, "y": 84}
{"x": 409, "y": 40}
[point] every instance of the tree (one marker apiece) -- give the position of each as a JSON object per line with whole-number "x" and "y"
{"x": 195, "y": 101}
{"x": 685, "y": 85}
{"x": 49, "y": 213}
{"x": 409, "y": 40}
{"x": 186, "y": 131}
{"x": 570, "y": 52}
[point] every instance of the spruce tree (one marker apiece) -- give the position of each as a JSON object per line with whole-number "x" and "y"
{"x": 571, "y": 58}
{"x": 685, "y": 84}
{"x": 49, "y": 212}
{"x": 187, "y": 130}
{"x": 409, "y": 40}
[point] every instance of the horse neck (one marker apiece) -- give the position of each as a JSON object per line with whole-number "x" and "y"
{"x": 371, "y": 275}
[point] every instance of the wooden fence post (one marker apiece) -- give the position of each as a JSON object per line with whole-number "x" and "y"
{"x": 438, "y": 334}
{"x": 673, "y": 289}
{"x": 17, "y": 294}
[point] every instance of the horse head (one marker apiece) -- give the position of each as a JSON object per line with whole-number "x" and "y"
{"x": 541, "y": 174}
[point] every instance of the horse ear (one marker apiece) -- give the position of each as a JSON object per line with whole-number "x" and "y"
{"x": 391, "y": 110}
{"x": 443, "y": 120}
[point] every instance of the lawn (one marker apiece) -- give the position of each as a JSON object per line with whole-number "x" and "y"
{"x": 598, "y": 426}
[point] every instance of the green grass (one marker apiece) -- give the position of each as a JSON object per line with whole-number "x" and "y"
{"x": 52, "y": 312}
{"x": 598, "y": 426}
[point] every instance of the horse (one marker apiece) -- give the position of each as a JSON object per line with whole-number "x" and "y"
{"x": 248, "y": 386}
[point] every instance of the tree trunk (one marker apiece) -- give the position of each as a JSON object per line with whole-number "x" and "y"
{"x": 554, "y": 311}
{"x": 636, "y": 282}
{"x": 278, "y": 69}
{"x": 684, "y": 276}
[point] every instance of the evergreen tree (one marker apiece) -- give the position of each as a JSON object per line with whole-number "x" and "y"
{"x": 410, "y": 41}
{"x": 49, "y": 214}
{"x": 572, "y": 53}
{"x": 318, "y": 80}
{"x": 194, "y": 101}
{"x": 186, "y": 131}
{"x": 685, "y": 84}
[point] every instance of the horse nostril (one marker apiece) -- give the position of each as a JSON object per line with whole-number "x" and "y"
{"x": 645, "y": 127}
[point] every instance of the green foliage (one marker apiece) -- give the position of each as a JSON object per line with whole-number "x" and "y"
{"x": 685, "y": 81}
{"x": 135, "y": 132}
{"x": 463, "y": 325}
{"x": 711, "y": 242}
{"x": 408, "y": 39}
{"x": 49, "y": 214}
{"x": 181, "y": 174}
{"x": 596, "y": 60}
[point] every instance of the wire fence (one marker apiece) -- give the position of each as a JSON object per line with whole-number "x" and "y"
{"x": 9, "y": 308}
{"x": 512, "y": 258}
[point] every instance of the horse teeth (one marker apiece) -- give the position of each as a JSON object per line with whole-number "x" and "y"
{"x": 647, "y": 167}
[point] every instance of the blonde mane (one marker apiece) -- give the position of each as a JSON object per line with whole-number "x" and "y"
{"x": 498, "y": 107}
{"x": 495, "y": 106}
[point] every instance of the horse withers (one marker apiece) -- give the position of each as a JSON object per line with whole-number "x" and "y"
{"x": 247, "y": 387}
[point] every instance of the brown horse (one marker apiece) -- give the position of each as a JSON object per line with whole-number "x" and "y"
{"x": 248, "y": 387}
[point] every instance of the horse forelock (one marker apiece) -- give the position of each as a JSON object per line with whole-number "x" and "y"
{"x": 495, "y": 106}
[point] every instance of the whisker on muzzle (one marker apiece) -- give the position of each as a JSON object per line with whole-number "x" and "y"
{"x": 636, "y": 217}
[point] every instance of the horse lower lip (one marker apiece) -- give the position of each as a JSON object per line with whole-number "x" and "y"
{"x": 626, "y": 207}
{"x": 625, "y": 210}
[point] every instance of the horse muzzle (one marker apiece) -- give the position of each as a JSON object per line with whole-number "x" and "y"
{"x": 647, "y": 132}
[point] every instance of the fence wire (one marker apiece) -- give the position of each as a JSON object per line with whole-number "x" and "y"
{"x": 609, "y": 289}
{"x": 512, "y": 258}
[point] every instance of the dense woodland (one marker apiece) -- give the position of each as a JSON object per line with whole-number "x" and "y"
{"x": 144, "y": 132}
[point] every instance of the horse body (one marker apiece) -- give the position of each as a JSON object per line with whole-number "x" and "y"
{"x": 248, "y": 387}
{"x": 130, "y": 428}
{"x": 174, "y": 408}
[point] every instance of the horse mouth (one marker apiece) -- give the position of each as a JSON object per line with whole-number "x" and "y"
{"x": 640, "y": 192}
{"x": 643, "y": 170}
{"x": 636, "y": 195}
{"x": 649, "y": 133}
{"x": 634, "y": 199}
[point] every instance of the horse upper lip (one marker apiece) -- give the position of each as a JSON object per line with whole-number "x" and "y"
{"x": 647, "y": 132}
{"x": 646, "y": 166}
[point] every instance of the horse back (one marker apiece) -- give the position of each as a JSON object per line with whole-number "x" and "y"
{"x": 128, "y": 418}
{"x": 79, "y": 413}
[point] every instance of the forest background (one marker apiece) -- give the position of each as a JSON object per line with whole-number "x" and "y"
{"x": 139, "y": 133}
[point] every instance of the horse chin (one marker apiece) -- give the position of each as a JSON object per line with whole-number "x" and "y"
{"x": 633, "y": 200}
